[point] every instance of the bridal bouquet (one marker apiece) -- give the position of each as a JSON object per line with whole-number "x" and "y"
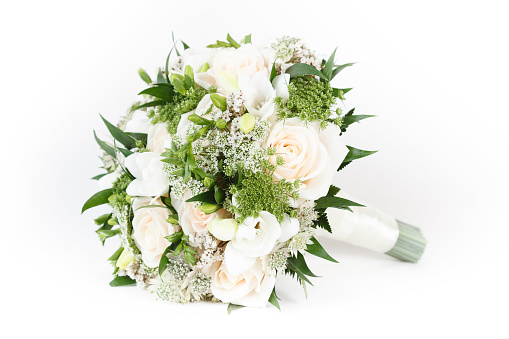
{"x": 220, "y": 175}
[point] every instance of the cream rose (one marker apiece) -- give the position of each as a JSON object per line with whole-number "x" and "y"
{"x": 157, "y": 136}
{"x": 250, "y": 288}
{"x": 149, "y": 229}
{"x": 245, "y": 59}
{"x": 191, "y": 218}
{"x": 311, "y": 154}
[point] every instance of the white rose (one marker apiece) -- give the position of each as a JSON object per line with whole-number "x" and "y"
{"x": 107, "y": 181}
{"x": 191, "y": 218}
{"x": 149, "y": 229}
{"x": 151, "y": 179}
{"x": 157, "y": 137}
{"x": 311, "y": 154}
{"x": 255, "y": 238}
{"x": 251, "y": 288}
{"x": 139, "y": 123}
{"x": 259, "y": 95}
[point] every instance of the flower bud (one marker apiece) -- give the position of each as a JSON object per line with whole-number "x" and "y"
{"x": 208, "y": 182}
{"x": 144, "y": 76}
{"x": 218, "y": 101}
{"x": 125, "y": 259}
{"x": 204, "y": 67}
{"x": 223, "y": 229}
{"x": 173, "y": 219}
{"x": 189, "y": 71}
{"x": 221, "y": 123}
{"x": 247, "y": 123}
{"x": 208, "y": 208}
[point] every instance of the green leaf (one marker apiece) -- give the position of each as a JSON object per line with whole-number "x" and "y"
{"x": 152, "y": 206}
{"x": 106, "y": 225}
{"x": 162, "y": 92}
{"x": 139, "y": 136}
{"x": 273, "y": 72}
{"x": 151, "y": 104}
{"x": 301, "y": 276}
{"x": 299, "y": 262}
{"x": 144, "y": 76}
{"x": 163, "y": 263}
{"x": 340, "y": 68}
{"x": 208, "y": 196}
{"x": 316, "y": 249}
{"x": 327, "y": 70}
{"x": 232, "y": 41}
{"x": 333, "y": 190}
{"x": 339, "y": 92}
{"x": 233, "y": 307}
{"x": 105, "y": 234}
{"x": 102, "y": 219}
{"x": 185, "y": 45}
{"x": 122, "y": 137}
{"x": 273, "y": 299}
{"x": 356, "y": 153}
{"x": 247, "y": 39}
{"x": 97, "y": 199}
{"x": 116, "y": 255}
{"x": 348, "y": 120}
{"x": 160, "y": 77}
{"x": 304, "y": 69}
{"x": 334, "y": 202}
{"x": 122, "y": 281}
{"x": 107, "y": 148}
{"x": 99, "y": 176}
{"x": 218, "y": 195}
{"x": 323, "y": 222}
{"x": 124, "y": 151}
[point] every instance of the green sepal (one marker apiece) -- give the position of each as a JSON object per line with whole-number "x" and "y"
{"x": 317, "y": 249}
{"x": 304, "y": 69}
{"x": 122, "y": 281}
{"x": 119, "y": 135}
{"x": 97, "y": 199}
{"x": 208, "y": 197}
{"x": 233, "y": 307}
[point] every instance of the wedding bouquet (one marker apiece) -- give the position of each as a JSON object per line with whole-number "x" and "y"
{"x": 220, "y": 175}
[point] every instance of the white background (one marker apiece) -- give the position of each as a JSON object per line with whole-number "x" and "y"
{"x": 434, "y": 72}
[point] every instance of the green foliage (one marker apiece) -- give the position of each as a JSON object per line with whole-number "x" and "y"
{"x": 335, "y": 202}
{"x": 119, "y": 197}
{"x": 310, "y": 100}
{"x": 97, "y": 199}
{"x": 327, "y": 69}
{"x": 301, "y": 69}
{"x": 273, "y": 299}
{"x": 99, "y": 176}
{"x": 122, "y": 281}
{"x": 233, "y": 307}
{"x": 297, "y": 268}
{"x": 161, "y": 91}
{"x": 339, "y": 69}
{"x": 259, "y": 192}
{"x": 230, "y": 42}
{"x": 350, "y": 118}
{"x": 122, "y": 137}
{"x": 317, "y": 249}
{"x": 354, "y": 154}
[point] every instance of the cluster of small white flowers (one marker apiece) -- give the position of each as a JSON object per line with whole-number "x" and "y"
{"x": 138, "y": 271}
{"x": 168, "y": 289}
{"x": 207, "y": 248}
{"x": 307, "y": 214}
{"x": 199, "y": 285}
{"x": 126, "y": 240}
{"x": 180, "y": 186}
{"x": 299, "y": 242}
{"x": 290, "y": 50}
{"x": 235, "y": 102}
{"x": 277, "y": 259}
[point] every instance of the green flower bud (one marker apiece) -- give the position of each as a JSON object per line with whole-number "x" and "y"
{"x": 124, "y": 260}
{"x": 208, "y": 182}
{"x": 221, "y": 123}
{"x": 223, "y": 229}
{"x": 204, "y": 67}
{"x": 175, "y": 236}
{"x": 198, "y": 120}
{"x": 218, "y": 101}
{"x": 189, "y": 71}
{"x": 173, "y": 219}
{"x": 144, "y": 76}
{"x": 102, "y": 219}
{"x": 112, "y": 222}
{"x": 247, "y": 123}
{"x": 177, "y": 81}
{"x": 128, "y": 198}
{"x": 209, "y": 208}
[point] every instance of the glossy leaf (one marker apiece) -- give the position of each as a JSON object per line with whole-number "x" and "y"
{"x": 334, "y": 202}
{"x": 273, "y": 299}
{"x": 208, "y": 196}
{"x": 151, "y": 104}
{"x": 107, "y": 148}
{"x": 317, "y": 249}
{"x": 340, "y": 68}
{"x": 122, "y": 281}
{"x": 327, "y": 70}
{"x": 304, "y": 69}
{"x": 162, "y": 92}
{"x": 97, "y": 199}
{"x": 122, "y": 137}
{"x": 355, "y": 153}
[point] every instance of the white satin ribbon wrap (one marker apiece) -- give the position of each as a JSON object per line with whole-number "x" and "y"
{"x": 365, "y": 227}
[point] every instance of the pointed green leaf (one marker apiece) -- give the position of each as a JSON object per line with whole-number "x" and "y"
{"x": 120, "y": 135}
{"x": 273, "y": 299}
{"x": 356, "y": 153}
{"x": 162, "y": 92}
{"x": 348, "y": 120}
{"x": 97, "y": 199}
{"x": 273, "y": 72}
{"x": 116, "y": 255}
{"x": 233, "y": 307}
{"x": 327, "y": 70}
{"x": 122, "y": 281}
{"x": 160, "y": 76}
{"x": 185, "y": 45}
{"x": 323, "y": 222}
{"x": 232, "y": 41}
{"x": 99, "y": 176}
{"x": 316, "y": 249}
{"x": 333, "y": 190}
{"x": 335, "y": 202}
{"x": 151, "y": 104}
{"x": 301, "y": 276}
{"x": 339, "y": 92}
{"x": 107, "y": 148}
{"x": 299, "y": 262}
{"x": 163, "y": 263}
{"x": 304, "y": 69}
{"x": 139, "y": 136}
{"x": 144, "y": 76}
{"x": 340, "y": 68}
{"x": 208, "y": 197}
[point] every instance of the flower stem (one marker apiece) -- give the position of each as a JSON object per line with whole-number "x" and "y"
{"x": 410, "y": 244}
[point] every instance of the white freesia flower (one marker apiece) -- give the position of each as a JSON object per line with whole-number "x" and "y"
{"x": 311, "y": 154}
{"x": 139, "y": 123}
{"x": 223, "y": 229}
{"x": 149, "y": 229}
{"x": 151, "y": 179}
{"x": 289, "y": 228}
{"x": 107, "y": 181}
{"x": 196, "y": 58}
{"x": 157, "y": 136}
{"x": 251, "y": 287}
{"x": 280, "y": 84}
{"x": 259, "y": 95}
{"x": 255, "y": 238}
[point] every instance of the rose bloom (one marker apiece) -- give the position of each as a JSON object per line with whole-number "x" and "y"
{"x": 311, "y": 154}
{"x": 149, "y": 229}
{"x": 250, "y": 288}
{"x": 191, "y": 218}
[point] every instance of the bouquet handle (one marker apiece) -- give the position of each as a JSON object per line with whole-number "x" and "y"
{"x": 370, "y": 228}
